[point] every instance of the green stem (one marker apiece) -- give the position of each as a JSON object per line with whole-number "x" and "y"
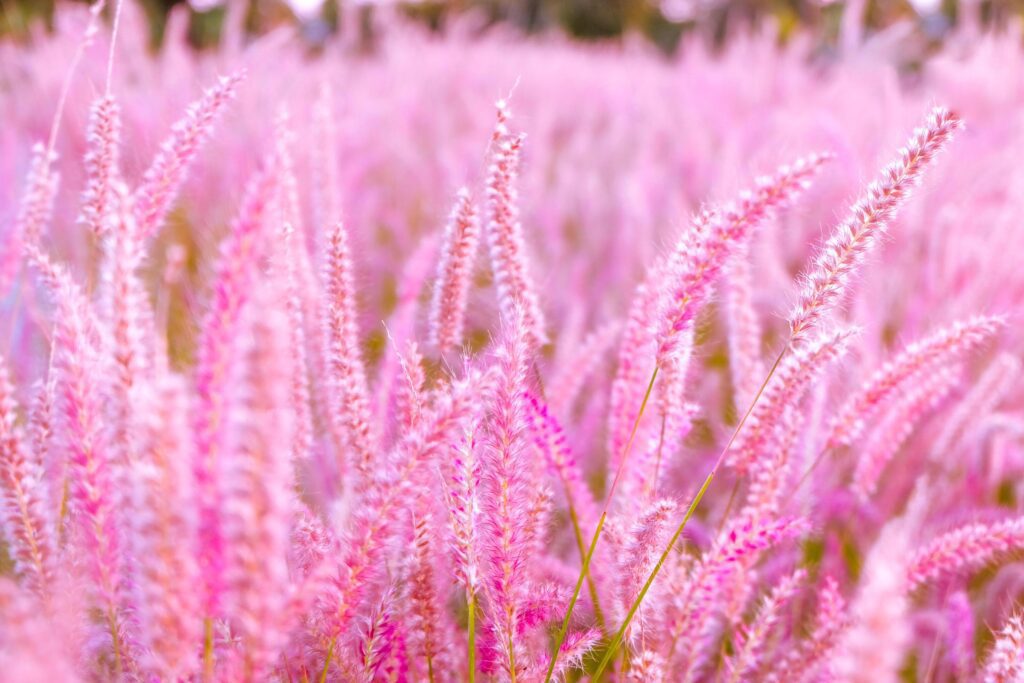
{"x": 327, "y": 660}
{"x": 584, "y": 570}
{"x": 591, "y": 588}
{"x": 614, "y": 645}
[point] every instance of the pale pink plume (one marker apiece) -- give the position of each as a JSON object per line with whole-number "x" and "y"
{"x": 1005, "y": 662}
{"x": 811, "y": 654}
{"x": 509, "y": 259}
{"x": 455, "y": 274}
{"x": 872, "y": 647}
{"x": 507, "y": 479}
{"x": 102, "y": 163}
{"x": 896, "y": 427}
{"x": 968, "y": 548}
{"x": 258, "y": 488}
{"x": 169, "y": 167}
{"x": 703, "y": 251}
{"x": 350, "y": 403}
{"x": 828, "y": 278}
{"x": 31, "y": 647}
{"x": 217, "y": 358}
{"x": 34, "y": 213}
{"x": 752, "y": 640}
{"x": 27, "y": 527}
{"x": 746, "y": 364}
{"x": 796, "y": 373}
{"x": 942, "y": 348}
{"x": 163, "y": 524}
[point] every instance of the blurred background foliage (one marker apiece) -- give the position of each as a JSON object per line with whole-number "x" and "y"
{"x": 662, "y": 21}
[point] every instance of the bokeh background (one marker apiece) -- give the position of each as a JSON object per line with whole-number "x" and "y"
{"x": 923, "y": 24}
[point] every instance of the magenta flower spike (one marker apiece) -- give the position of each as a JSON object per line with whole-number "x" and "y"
{"x": 702, "y": 252}
{"x": 102, "y": 163}
{"x": 829, "y": 276}
{"x": 350, "y": 408}
{"x": 27, "y": 529}
{"x": 170, "y": 166}
{"x": 505, "y": 241}
{"x": 455, "y": 274}
{"x": 941, "y": 349}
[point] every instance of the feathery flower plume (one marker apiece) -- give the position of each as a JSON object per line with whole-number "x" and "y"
{"x": 574, "y": 651}
{"x": 631, "y": 376}
{"x": 462, "y": 498}
{"x": 216, "y": 357}
{"x": 869, "y": 218}
{"x": 898, "y": 425}
{"x": 424, "y": 603}
{"x": 788, "y": 385}
{"x": 257, "y": 498}
{"x": 80, "y": 409}
{"x": 506, "y": 479}
{"x": 505, "y": 233}
{"x": 163, "y": 523}
{"x": 745, "y": 363}
{"x": 300, "y": 396}
{"x": 872, "y": 647}
{"x": 374, "y": 523}
{"x": 130, "y": 322}
{"x": 102, "y": 163}
{"x": 550, "y": 440}
{"x": 752, "y": 640}
{"x": 967, "y": 548}
{"x": 648, "y": 536}
{"x": 803, "y": 662}
{"x": 578, "y": 368}
{"x": 166, "y": 173}
{"x": 350, "y": 403}
{"x": 1005, "y": 664}
{"x": 28, "y": 532}
{"x": 454, "y": 274}
{"x": 999, "y": 378}
{"x": 943, "y": 348}
{"x": 34, "y": 213}
{"x": 703, "y": 251}
{"x": 410, "y": 397}
{"x": 704, "y": 592}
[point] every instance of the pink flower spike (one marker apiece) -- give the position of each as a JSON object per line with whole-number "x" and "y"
{"x": 848, "y": 247}
{"x": 167, "y": 172}
{"x": 102, "y": 163}
{"x": 505, "y": 233}
{"x": 968, "y": 548}
{"x": 746, "y": 364}
{"x": 944, "y": 347}
{"x": 702, "y": 252}
{"x": 898, "y": 425}
{"x": 34, "y": 214}
{"x": 455, "y": 274}
{"x": 163, "y": 528}
{"x": 574, "y": 651}
{"x": 1005, "y": 664}
{"x": 787, "y": 386}
{"x": 216, "y": 359}
{"x": 754, "y": 639}
{"x": 257, "y": 501}
{"x": 507, "y": 486}
{"x": 27, "y": 530}
{"x": 350, "y": 409}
